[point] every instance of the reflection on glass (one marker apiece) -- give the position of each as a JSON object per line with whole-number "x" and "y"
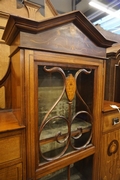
{"x": 64, "y": 125}
{"x": 80, "y": 170}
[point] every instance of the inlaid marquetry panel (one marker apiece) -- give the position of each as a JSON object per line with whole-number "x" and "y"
{"x": 67, "y": 38}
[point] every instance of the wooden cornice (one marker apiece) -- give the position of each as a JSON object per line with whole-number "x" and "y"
{"x": 108, "y": 35}
{"x": 16, "y": 24}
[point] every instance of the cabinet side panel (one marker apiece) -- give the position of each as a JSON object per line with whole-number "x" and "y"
{"x": 17, "y": 79}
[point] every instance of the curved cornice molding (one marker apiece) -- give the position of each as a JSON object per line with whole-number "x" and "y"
{"x": 108, "y": 35}
{"x": 16, "y": 24}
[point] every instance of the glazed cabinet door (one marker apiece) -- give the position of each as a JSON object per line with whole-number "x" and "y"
{"x": 63, "y": 109}
{"x": 65, "y": 119}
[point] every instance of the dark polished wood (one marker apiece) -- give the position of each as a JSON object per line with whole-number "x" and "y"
{"x": 117, "y": 77}
{"x": 33, "y": 27}
{"x": 112, "y": 78}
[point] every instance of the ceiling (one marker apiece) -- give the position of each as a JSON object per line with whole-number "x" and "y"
{"x": 107, "y": 22}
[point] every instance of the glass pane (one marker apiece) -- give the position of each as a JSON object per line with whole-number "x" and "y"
{"x": 60, "y": 174}
{"x": 81, "y": 170}
{"x": 64, "y": 110}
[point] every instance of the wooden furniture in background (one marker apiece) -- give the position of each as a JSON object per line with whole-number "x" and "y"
{"x": 12, "y": 148}
{"x": 110, "y": 117}
{"x": 110, "y": 142}
{"x": 112, "y": 78}
{"x": 117, "y": 77}
{"x": 25, "y": 9}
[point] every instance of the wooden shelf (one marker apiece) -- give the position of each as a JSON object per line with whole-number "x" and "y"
{"x": 107, "y": 107}
{"x": 8, "y": 121}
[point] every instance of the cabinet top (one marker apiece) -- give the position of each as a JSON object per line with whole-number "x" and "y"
{"x": 17, "y": 24}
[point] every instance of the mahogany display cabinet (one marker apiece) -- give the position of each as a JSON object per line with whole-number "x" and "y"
{"x": 57, "y": 73}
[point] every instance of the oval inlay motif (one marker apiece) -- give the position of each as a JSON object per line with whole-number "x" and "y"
{"x": 70, "y": 87}
{"x": 113, "y": 147}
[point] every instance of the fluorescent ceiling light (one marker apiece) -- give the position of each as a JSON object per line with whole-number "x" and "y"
{"x": 110, "y": 22}
{"x": 104, "y": 8}
{"x": 100, "y": 7}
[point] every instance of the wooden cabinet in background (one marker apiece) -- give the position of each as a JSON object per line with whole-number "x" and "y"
{"x": 12, "y": 148}
{"x": 112, "y": 79}
{"x": 110, "y": 143}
